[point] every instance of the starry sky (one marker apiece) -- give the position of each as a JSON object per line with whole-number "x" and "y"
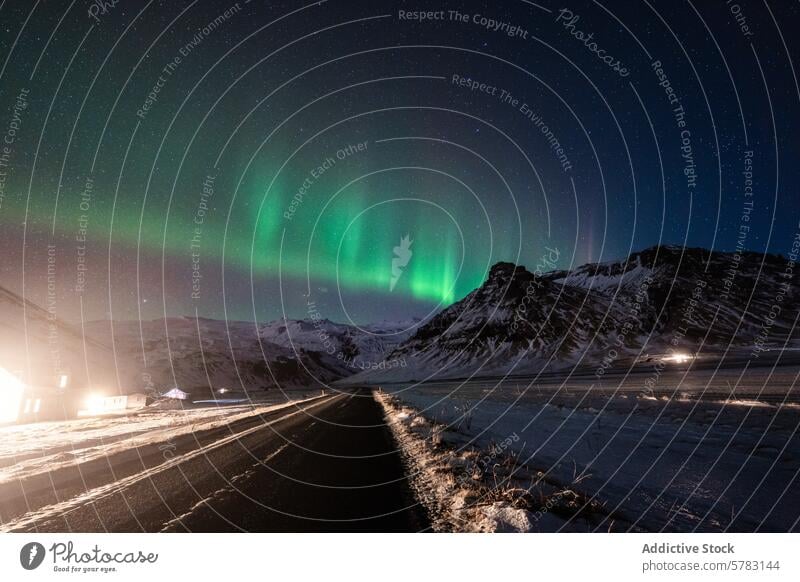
{"x": 258, "y": 159}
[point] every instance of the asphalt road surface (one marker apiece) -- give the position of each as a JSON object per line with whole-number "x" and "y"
{"x": 328, "y": 464}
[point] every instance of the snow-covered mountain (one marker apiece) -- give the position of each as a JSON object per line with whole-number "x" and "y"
{"x": 203, "y": 355}
{"x": 198, "y": 355}
{"x": 356, "y": 347}
{"x": 655, "y": 300}
{"x": 698, "y": 295}
{"x": 662, "y": 298}
{"x": 514, "y": 319}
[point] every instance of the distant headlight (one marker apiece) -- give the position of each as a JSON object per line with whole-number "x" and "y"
{"x": 679, "y": 358}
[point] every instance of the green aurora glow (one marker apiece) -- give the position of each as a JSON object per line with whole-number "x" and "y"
{"x": 348, "y": 247}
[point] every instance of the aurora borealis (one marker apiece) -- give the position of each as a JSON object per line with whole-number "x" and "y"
{"x": 242, "y": 159}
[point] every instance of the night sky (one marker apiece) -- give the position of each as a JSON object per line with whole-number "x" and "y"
{"x": 253, "y": 159}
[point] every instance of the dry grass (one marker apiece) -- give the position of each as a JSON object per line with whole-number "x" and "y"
{"x": 491, "y": 489}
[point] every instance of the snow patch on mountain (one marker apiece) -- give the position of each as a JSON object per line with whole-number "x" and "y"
{"x": 660, "y": 299}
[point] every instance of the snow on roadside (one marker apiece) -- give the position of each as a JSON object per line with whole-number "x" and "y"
{"x": 29, "y": 450}
{"x": 470, "y": 489}
{"x": 672, "y": 463}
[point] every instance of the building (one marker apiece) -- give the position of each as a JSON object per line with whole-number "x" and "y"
{"x": 97, "y": 404}
{"x": 137, "y": 400}
{"x": 30, "y": 402}
{"x": 176, "y": 394}
{"x": 24, "y": 403}
{"x": 45, "y": 366}
{"x": 43, "y": 403}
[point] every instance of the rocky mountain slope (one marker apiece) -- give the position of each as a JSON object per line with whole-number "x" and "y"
{"x": 204, "y": 355}
{"x": 199, "y": 355}
{"x": 660, "y": 299}
{"x": 355, "y": 347}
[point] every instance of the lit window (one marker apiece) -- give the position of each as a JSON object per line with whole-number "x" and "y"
{"x": 37, "y": 405}
{"x": 27, "y": 405}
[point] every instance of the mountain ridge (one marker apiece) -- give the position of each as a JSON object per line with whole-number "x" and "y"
{"x": 658, "y": 299}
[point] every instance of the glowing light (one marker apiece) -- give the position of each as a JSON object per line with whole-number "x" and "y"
{"x": 95, "y": 404}
{"x": 62, "y": 381}
{"x": 679, "y": 358}
{"x": 11, "y": 390}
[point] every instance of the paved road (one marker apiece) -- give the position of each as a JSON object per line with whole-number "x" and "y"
{"x": 329, "y": 465}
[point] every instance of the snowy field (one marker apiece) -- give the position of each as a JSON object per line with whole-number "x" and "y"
{"x": 683, "y": 457}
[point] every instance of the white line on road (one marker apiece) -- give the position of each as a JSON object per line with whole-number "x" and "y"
{"x": 99, "y": 493}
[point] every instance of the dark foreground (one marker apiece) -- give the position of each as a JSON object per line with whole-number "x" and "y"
{"x": 327, "y": 465}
